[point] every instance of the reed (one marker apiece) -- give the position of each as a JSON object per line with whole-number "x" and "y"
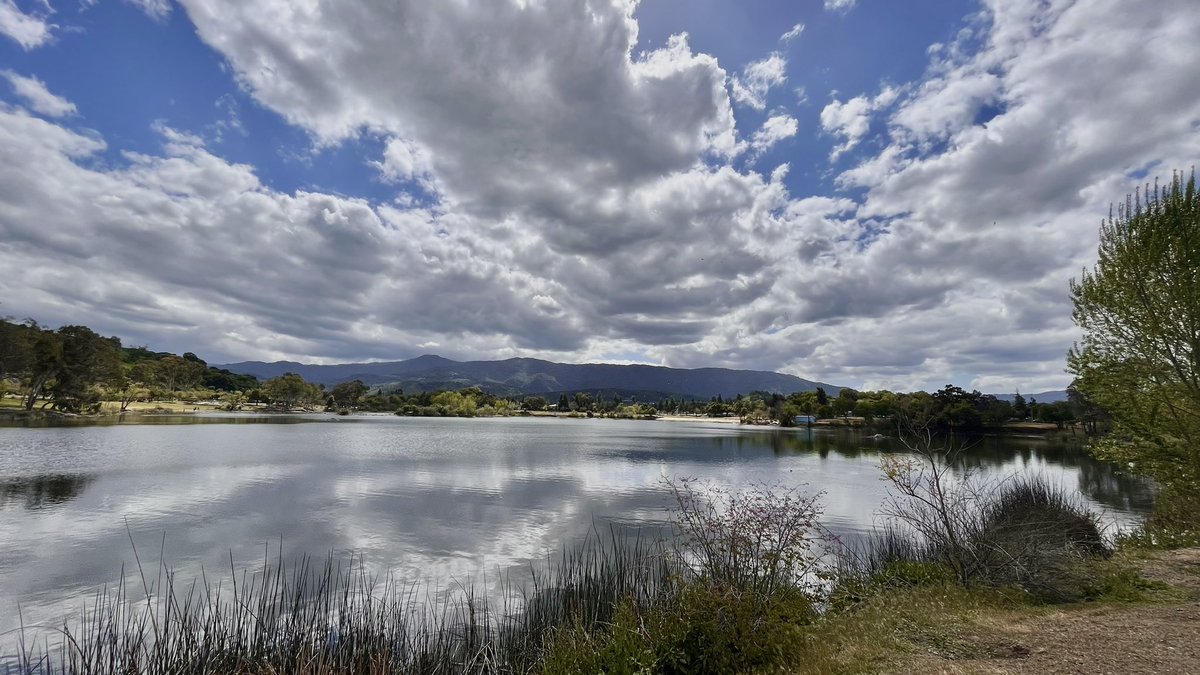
{"x": 331, "y": 615}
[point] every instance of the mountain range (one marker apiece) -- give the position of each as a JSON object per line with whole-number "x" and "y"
{"x": 535, "y": 376}
{"x": 1044, "y": 397}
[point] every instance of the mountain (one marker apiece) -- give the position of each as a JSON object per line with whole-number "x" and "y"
{"x": 1044, "y": 397}
{"x": 534, "y": 376}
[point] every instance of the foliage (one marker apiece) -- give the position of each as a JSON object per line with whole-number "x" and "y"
{"x": 346, "y": 395}
{"x": 741, "y": 602}
{"x": 1022, "y": 531}
{"x": 759, "y": 539}
{"x": 290, "y": 390}
{"x": 1139, "y": 310}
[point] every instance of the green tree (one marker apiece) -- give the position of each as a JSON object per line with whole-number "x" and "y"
{"x": 290, "y": 390}
{"x": 533, "y": 403}
{"x": 177, "y": 373}
{"x": 86, "y": 360}
{"x": 1019, "y": 407}
{"x": 1139, "y": 310}
{"x": 347, "y": 394}
{"x": 45, "y": 363}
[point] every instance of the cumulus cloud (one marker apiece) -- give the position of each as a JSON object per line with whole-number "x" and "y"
{"x": 37, "y": 96}
{"x": 851, "y": 119}
{"x": 1001, "y": 162}
{"x": 403, "y": 161}
{"x": 586, "y": 203}
{"x": 778, "y": 127}
{"x": 27, "y": 30}
{"x": 757, "y": 79}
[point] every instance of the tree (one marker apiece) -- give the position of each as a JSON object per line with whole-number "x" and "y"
{"x": 347, "y": 394}
{"x": 1139, "y": 310}
{"x": 177, "y": 373}
{"x": 533, "y": 403}
{"x": 86, "y": 360}
{"x": 289, "y": 390}
{"x": 1020, "y": 409}
{"x": 46, "y": 361}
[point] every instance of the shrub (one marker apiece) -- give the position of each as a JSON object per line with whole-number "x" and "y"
{"x": 1023, "y": 531}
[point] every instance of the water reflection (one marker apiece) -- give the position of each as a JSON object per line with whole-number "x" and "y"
{"x": 988, "y": 455}
{"x": 170, "y": 419}
{"x": 440, "y": 499}
{"x": 40, "y": 492}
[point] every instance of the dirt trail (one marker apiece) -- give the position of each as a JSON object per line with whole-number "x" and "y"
{"x": 1118, "y": 639}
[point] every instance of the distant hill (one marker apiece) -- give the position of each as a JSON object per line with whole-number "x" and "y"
{"x": 1044, "y": 397}
{"x": 534, "y": 376}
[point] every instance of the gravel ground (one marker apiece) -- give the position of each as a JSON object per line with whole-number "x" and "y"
{"x": 1133, "y": 639}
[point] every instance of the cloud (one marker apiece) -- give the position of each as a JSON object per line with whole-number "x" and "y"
{"x": 778, "y": 127}
{"x": 38, "y": 97}
{"x": 851, "y": 119}
{"x": 403, "y": 161}
{"x": 27, "y": 30}
{"x": 155, "y": 9}
{"x": 840, "y": 5}
{"x": 587, "y": 205}
{"x": 757, "y": 79}
{"x": 793, "y": 33}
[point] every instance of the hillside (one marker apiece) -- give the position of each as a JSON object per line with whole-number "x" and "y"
{"x": 534, "y": 376}
{"x": 1043, "y": 397}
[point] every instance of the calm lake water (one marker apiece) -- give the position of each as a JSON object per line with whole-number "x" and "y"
{"x": 434, "y": 499}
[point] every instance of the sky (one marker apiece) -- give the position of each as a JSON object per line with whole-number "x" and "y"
{"x": 871, "y": 193}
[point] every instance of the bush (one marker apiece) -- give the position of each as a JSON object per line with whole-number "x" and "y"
{"x": 1038, "y": 537}
{"x": 1021, "y": 532}
{"x": 1175, "y": 522}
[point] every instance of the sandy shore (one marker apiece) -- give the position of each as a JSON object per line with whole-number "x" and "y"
{"x": 707, "y": 420}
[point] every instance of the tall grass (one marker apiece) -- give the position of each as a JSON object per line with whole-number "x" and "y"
{"x": 333, "y": 616}
{"x": 732, "y": 592}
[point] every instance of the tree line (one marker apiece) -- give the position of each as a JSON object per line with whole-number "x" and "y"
{"x": 74, "y": 369}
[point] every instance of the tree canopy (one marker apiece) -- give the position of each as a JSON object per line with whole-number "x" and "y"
{"x": 1139, "y": 310}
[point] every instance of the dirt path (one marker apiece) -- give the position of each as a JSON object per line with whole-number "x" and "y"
{"x": 1161, "y": 638}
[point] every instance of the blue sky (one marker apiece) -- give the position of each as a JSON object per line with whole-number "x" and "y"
{"x": 870, "y": 193}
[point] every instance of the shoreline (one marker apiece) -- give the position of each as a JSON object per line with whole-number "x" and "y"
{"x": 12, "y": 415}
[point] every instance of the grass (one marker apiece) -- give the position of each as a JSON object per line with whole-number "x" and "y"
{"x": 715, "y": 599}
{"x": 331, "y": 616}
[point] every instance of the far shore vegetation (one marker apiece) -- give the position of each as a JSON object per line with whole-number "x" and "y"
{"x": 73, "y": 370}
{"x": 964, "y": 575}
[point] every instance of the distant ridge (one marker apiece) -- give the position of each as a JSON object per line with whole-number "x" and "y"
{"x": 1043, "y": 397}
{"x": 535, "y": 376}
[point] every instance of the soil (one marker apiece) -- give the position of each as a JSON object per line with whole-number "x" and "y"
{"x": 1136, "y": 638}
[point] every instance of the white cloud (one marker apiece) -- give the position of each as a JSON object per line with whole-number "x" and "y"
{"x": 778, "y": 127}
{"x": 851, "y": 119}
{"x": 27, "y": 30}
{"x": 403, "y": 160}
{"x": 795, "y": 32}
{"x": 587, "y": 207}
{"x": 39, "y": 98}
{"x": 840, "y": 5}
{"x": 757, "y": 79}
{"x": 155, "y": 9}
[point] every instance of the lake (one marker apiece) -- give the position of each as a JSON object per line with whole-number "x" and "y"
{"x": 448, "y": 500}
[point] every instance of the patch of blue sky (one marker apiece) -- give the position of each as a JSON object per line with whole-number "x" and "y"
{"x": 990, "y": 111}
{"x": 876, "y": 43}
{"x": 129, "y": 75}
